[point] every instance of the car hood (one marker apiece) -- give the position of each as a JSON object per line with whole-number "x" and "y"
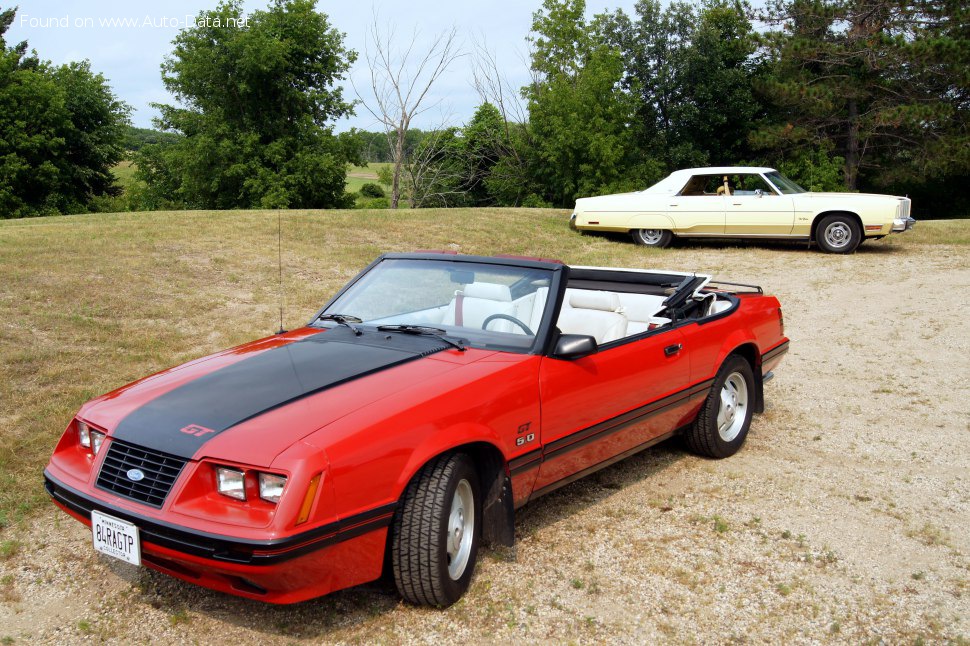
{"x": 251, "y": 403}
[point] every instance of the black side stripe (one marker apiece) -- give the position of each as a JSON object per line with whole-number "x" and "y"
{"x": 605, "y": 428}
{"x": 525, "y": 462}
{"x": 226, "y": 548}
{"x": 596, "y": 467}
{"x": 775, "y": 352}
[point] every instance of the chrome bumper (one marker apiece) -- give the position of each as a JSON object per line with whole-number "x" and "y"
{"x": 903, "y": 224}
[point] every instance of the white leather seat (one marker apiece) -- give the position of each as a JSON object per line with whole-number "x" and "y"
{"x": 640, "y": 309}
{"x": 529, "y": 309}
{"x": 595, "y": 313}
{"x": 479, "y": 301}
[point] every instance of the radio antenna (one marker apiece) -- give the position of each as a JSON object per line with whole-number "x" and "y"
{"x": 279, "y": 249}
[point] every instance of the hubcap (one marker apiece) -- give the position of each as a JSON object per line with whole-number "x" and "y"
{"x": 838, "y": 234}
{"x": 733, "y": 408}
{"x": 461, "y": 529}
{"x": 651, "y": 236}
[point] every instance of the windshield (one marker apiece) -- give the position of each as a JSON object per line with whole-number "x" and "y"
{"x": 493, "y": 306}
{"x": 785, "y": 185}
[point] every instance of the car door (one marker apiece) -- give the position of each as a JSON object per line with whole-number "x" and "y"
{"x": 697, "y": 209}
{"x": 754, "y": 208}
{"x": 603, "y": 405}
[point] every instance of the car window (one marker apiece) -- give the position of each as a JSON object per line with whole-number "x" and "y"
{"x": 785, "y": 185}
{"x": 498, "y": 306}
{"x": 749, "y": 184}
{"x": 702, "y": 185}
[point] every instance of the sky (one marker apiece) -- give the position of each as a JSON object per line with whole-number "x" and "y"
{"x": 129, "y": 55}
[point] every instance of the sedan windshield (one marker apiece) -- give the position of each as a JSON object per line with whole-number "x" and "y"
{"x": 785, "y": 185}
{"x": 494, "y": 306}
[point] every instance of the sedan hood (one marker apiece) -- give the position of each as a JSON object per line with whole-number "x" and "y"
{"x": 847, "y": 195}
{"x": 251, "y": 403}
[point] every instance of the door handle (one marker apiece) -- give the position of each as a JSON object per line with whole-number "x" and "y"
{"x": 671, "y": 350}
{"x": 737, "y": 203}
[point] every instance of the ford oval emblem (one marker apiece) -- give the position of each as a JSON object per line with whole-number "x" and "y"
{"x": 135, "y": 475}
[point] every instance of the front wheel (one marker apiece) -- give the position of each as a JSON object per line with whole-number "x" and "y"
{"x": 723, "y": 421}
{"x": 838, "y": 234}
{"x": 436, "y": 532}
{"x": 658, "y": 238}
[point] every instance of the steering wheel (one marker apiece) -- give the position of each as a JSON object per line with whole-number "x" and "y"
{"x": 506, "y": 317}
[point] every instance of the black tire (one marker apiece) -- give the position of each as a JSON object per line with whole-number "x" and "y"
{"x": 838, "y": 233}
{"x": 703, "y": 436}
{"x": 419, "y": 542}
{"x": 657, "y": 238}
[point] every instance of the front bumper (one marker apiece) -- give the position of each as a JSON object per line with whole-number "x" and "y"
{"x": 572, "y": 222}
{"x": 903, "y": 224}
{"x": 279, "y": 570}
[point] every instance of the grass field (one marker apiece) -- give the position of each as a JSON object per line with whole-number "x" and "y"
{"x": 92, "y": 302}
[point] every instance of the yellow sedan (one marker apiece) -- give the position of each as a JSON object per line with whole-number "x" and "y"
{"x": 743, "y": 202}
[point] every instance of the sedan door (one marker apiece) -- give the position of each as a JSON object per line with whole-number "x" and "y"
{"x": 755, "y": 209}
{"x": 607, "y": 404}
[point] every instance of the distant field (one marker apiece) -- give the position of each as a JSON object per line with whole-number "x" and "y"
{"x": 842, "y": 519}
{"x": 357, "y": 176}
{"x": 124, "y": 171}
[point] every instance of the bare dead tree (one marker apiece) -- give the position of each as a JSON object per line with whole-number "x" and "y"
{"x": 400, "y": 81}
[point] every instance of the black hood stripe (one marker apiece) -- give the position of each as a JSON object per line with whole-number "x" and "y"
{"x": 181, "y": 420}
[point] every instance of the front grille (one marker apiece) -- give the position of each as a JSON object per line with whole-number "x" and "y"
{"x": 160, "y": 470}
{"x": 904, "y": 208}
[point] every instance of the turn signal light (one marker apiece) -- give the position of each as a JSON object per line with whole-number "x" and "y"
{"x": 311, "y": 494}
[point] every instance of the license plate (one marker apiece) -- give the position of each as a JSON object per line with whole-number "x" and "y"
{"x": 115, "y": 537}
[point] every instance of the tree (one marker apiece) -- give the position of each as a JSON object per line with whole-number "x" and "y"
{"x": 578, "y": 115}
{"x": 61, "y": 131}
{"x": 400, "y": 85}
{"x": 257, "y": 100}
{"x": 885, "y": 81}
{"x": 691, "y": 72}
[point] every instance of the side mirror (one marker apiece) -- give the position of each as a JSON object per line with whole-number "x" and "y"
{"x": 759, "y": 192}
{"x": 574, "y": 346}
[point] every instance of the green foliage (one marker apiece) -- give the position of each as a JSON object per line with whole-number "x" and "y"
{"x": 61, "y": 130}
{"x": 814, "y": 169}
{"x": 691, "y": 71}
{"x": 372, "y": 190}
{"x": 580, "y": 142}
{"x": 258, "y": 101}
{"x": 373, "y": 203}
{"x": 886, "y": 83}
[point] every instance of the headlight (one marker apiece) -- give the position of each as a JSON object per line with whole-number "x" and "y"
{"x": 89, "y": 438}
{"x": 231, "y": 482}
{"x": 83, "y": 434}
{"x": 97, "y": 439}
{"x": 271, "y": 487}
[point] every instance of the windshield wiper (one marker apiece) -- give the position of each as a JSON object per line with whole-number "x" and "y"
{"x": 423, "y": 330}
{"x": 343, "y": 319}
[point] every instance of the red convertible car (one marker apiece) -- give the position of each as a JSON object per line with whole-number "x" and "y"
{"x": 402, "y": 427}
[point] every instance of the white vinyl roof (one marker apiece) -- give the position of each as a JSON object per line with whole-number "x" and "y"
{"x": 676, "y": 180}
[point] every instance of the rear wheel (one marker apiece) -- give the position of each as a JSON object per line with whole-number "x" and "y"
{"x": 838, "y": 234}
{"x": 659, "y": 238}
{"x": 722, "y": 424}
{"x": 436, "y": 532}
